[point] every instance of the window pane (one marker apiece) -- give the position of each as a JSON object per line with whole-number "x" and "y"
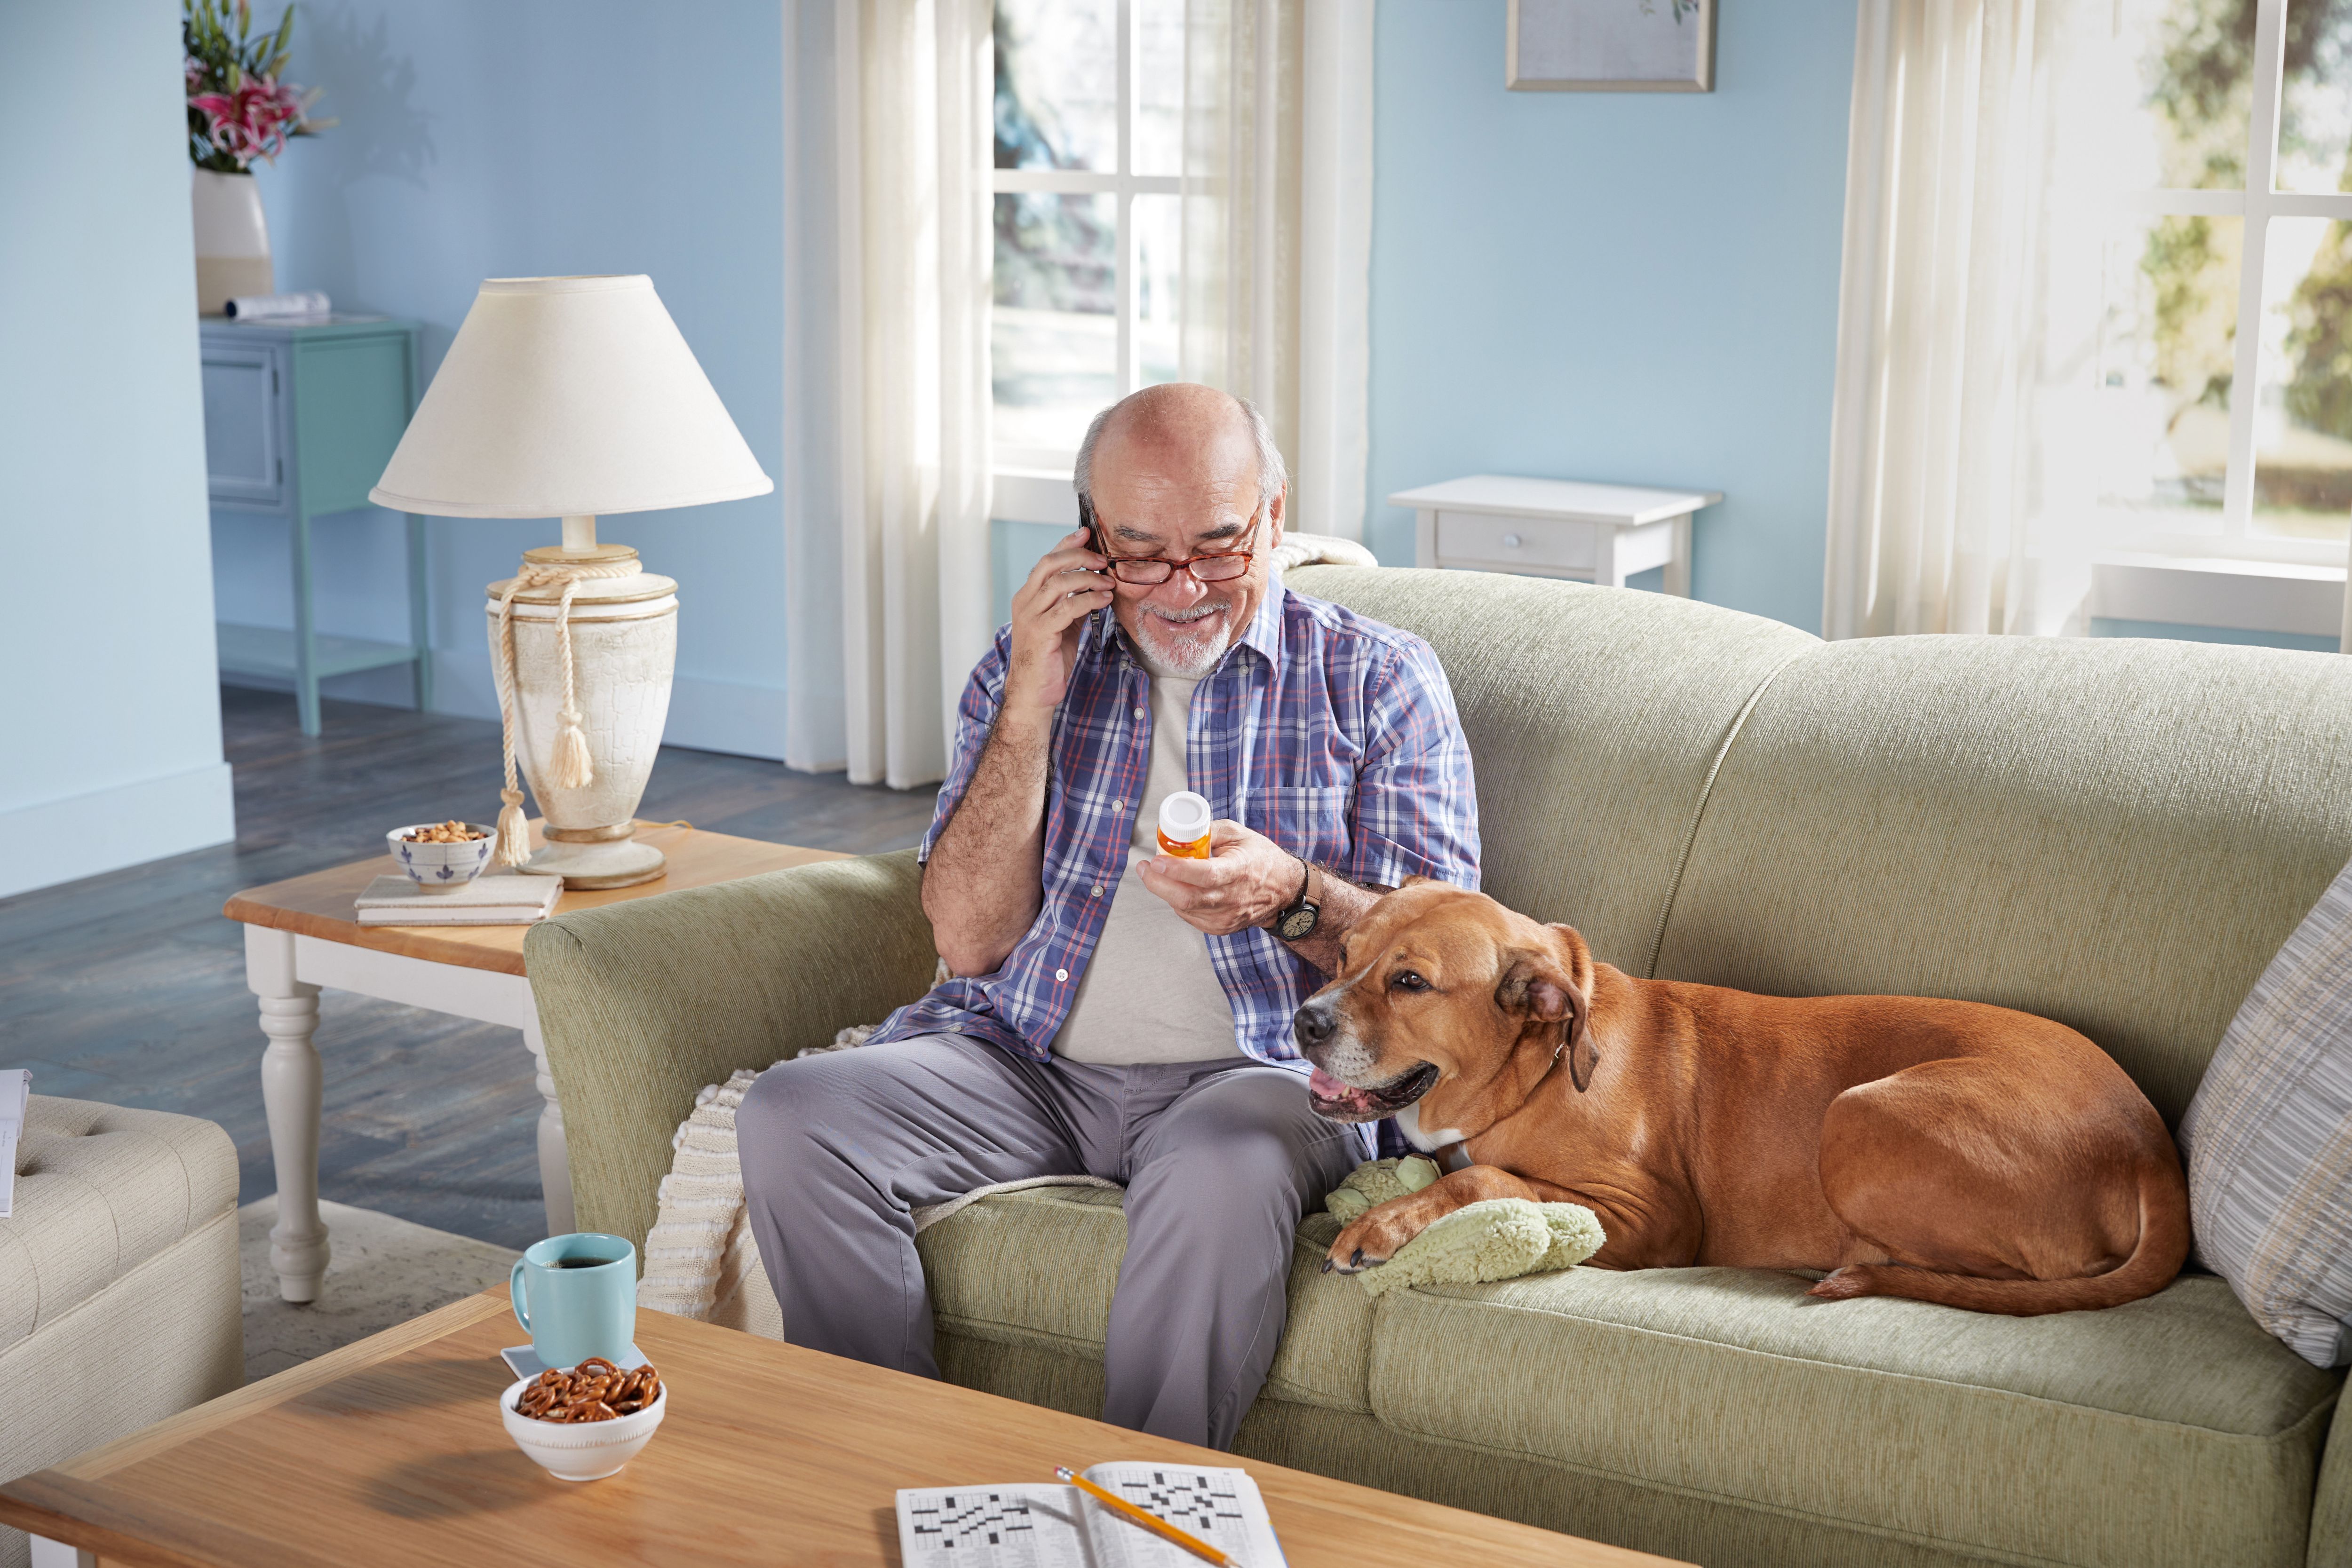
{"x": 1053, "y": 342}
{"x": 2142, "y": 323}
{"x": 2316, "y": 112}
{"x": 2158, "y": 94}
{"x": 1058, "y": 84}
{"x": 1158, "y": 35}
{"x": 2302, "y": 420}
{"x": 1158, "y": 283}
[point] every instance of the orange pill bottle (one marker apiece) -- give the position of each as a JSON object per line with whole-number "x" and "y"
{"x": 1184, "y": 819}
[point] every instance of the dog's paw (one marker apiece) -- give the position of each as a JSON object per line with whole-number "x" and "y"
{"x": 1374, "y": 1237}
{"x": 1845, "y": 1285}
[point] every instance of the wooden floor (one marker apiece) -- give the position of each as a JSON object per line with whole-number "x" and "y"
{"x": 130, "y": 988}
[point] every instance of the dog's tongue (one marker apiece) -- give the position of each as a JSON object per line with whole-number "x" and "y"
{"x": 1325, "y": 1087}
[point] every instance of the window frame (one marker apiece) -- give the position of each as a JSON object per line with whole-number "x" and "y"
{"x": 1124, "y": 185}
{"x": 2256, "y": 203}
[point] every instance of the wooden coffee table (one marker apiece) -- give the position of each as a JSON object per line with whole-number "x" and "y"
{"x": 390, "y": 1452}
{"x": 303, "y": 934}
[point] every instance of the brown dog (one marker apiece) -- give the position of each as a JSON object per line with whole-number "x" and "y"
{"x": 1945, "y": 1151}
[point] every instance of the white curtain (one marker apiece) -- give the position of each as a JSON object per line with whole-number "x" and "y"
{"x": 1936, "y": 477}
{"x": 910, "y": 153}
{"x": 889, "y": 148}
{"x": 1277, "y": 210}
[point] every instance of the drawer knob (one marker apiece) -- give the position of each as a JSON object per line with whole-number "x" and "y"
{"x": 1512, "y": 541}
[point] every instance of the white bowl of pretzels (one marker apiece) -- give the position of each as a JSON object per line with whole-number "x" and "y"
{"x": 583, "y": 1423}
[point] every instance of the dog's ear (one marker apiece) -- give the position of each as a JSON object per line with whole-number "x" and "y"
{"x": 1416, "y": 882}
{"x": 1554, "y": 987}
{"x": 1575, "y": 960}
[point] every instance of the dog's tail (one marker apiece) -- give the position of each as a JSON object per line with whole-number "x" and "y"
{"x": 2163, "y": 1248}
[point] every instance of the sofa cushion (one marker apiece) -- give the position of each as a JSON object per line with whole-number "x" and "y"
{"x": 1037, "y": 1269}
{"x": 100, "y": 1189}
{"x": 2114, "y": 834}
{"x": 1594, "y": 718}
{"x": 2169, "y": 1431}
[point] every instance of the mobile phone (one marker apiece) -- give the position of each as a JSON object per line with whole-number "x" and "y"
{"x": 1093, "y": 537}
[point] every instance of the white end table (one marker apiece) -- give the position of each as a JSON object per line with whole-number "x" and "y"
{"x": 1555, "y": 528}
{"x": 303, "y": 934}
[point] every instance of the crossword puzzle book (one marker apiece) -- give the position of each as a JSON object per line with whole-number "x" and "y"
{"x": 1054, "y": 1526}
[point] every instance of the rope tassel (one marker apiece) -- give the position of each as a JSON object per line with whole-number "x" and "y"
{"x": 572, "y": 766}
{"x": 514, "y": 836}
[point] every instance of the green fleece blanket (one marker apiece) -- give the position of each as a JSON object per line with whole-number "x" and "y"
{"x": 1499, "y": 1239}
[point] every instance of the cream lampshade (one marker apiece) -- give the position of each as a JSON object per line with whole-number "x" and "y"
{"x": 574, "y": 397}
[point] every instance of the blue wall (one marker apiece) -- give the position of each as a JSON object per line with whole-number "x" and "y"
{"x": 1631, "y": 286}
{"x": 112, "y": 748}
{"x": 532, "y": 137}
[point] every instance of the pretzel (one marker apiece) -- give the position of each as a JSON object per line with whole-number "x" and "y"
{"x": 595, "y": 1390}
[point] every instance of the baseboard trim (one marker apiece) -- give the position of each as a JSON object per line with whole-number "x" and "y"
{"x": 106, "y": 830}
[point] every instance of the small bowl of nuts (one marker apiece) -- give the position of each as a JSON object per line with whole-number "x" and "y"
{"x": 442, "y": 856}
{"x": 583, "y": 1423}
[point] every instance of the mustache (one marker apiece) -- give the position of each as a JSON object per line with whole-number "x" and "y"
{"x": 1186, "y": 617}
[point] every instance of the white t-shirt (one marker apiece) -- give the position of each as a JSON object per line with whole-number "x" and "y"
{"x": 1150, "y": 993}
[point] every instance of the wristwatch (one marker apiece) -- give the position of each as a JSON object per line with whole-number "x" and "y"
{"x": 1295, "y": 920}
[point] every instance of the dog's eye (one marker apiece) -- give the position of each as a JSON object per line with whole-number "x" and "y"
{"x": 1407, "y": 980}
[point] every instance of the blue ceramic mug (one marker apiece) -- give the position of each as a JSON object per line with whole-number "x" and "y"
{"x": 576, "y": 1296}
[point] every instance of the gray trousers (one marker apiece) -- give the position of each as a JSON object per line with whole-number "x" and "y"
{"x": 1219, "y": 1159}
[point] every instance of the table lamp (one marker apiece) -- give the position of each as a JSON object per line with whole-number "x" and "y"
{"x": 572, "y": 397}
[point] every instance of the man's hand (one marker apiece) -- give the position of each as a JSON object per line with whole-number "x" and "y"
{"x": 1246, "y": 881}
{"x": 1049, "y": 614}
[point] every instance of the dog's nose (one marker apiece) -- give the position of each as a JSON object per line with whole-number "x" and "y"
{"x": 1314, "y": 1024}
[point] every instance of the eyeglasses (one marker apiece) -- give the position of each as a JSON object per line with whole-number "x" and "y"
{"x": 1146, "y": 572}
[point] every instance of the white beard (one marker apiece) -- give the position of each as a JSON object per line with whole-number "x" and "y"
{"x": 1170, "y": 649}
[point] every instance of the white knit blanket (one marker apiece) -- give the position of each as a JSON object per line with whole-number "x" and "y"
{"x": 1320, "y": 549}
{"x": 701, "y": 1260}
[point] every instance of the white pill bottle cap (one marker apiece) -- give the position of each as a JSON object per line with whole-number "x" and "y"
{"x": 1184, "y": 817}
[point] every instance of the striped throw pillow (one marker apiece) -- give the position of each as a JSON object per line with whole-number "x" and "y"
{"x": 2269, "y": 1141}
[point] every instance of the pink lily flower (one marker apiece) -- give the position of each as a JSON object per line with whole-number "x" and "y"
{"x": 253, "y": 120}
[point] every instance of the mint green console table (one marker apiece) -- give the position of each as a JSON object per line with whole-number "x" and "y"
{"x": 299, "y": 420}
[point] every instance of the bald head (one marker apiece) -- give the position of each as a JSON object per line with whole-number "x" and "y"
{"x": 1182, "y": 424}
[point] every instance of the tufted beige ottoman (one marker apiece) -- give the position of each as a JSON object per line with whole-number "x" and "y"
{"x": 119, "y": 1298}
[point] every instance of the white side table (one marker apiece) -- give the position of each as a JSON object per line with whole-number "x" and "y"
{"x": 301, "y": 935}
{"x": 1555, "y": 528}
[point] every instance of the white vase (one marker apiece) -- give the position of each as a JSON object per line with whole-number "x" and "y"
{"x": 623, "y": 649}
{"x": 232, "y": 241}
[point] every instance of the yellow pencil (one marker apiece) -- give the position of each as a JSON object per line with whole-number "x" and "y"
{"x": 1151, "y": 1521}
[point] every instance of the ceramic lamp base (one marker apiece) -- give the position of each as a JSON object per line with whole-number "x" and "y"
{"x": 609, "y": 863}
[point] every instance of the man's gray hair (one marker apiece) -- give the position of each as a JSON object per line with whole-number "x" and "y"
{"x": 1273, "y": 474}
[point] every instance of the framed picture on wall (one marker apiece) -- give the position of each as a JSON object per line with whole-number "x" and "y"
{"x": 1610, "y": 46}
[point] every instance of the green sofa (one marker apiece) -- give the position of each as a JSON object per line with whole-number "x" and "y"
{"x": 2117, "y": 834}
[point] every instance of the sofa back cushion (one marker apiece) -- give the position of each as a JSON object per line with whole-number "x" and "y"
{"x": 1593, "y": 716}
{"x": 2117, "y": 835}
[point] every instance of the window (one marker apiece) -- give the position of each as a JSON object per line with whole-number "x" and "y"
{"x": 2197, "y": 368}
{"x": 1088, "y": 120}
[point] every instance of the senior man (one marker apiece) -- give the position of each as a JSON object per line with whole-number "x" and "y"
{"x": 1114, "y": 1012}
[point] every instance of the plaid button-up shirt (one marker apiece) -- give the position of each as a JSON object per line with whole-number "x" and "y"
{"x": 1332, "y": 735}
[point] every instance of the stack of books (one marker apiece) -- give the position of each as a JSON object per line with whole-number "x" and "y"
{"x": 495, "y": 898}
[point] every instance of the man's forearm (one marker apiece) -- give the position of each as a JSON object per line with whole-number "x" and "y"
{"x": 985, "y": 880}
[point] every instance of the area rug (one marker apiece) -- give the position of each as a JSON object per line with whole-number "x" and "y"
{"x": 383, "y": 1272}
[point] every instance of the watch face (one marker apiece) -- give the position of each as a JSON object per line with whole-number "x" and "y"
{"x": 1299, "y": 921}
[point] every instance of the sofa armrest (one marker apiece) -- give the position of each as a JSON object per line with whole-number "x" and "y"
{"x": 643, "y": 1003}
{"x": 2331, "y": 1504}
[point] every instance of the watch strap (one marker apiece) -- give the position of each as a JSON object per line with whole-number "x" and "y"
{"x": 1299, "y": 903}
